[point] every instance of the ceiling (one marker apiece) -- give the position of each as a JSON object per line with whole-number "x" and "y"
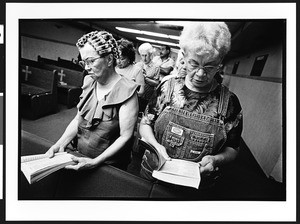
{"x": 247, "y": 35}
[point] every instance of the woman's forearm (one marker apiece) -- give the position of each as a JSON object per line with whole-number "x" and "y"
{"x": 226, "y": 156}
{"x": 147, "y": 133}
{"x": 69, "y": 134}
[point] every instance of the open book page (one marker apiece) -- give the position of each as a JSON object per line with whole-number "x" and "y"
{"x": 44, "y": 163}
{"x": 180, "y": 172}
{"x": 37, "y": 156}
{"x": 181, "y": 168}
{"x": 39, "y": 168}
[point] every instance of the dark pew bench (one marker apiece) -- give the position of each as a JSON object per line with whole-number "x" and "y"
{"x": 38, "y": 92}
{"x": 69, "y": 84}
{"x": 69, "y": 81}
{"x": 108, "y": 182}
{"x": 47, "y": 61}
{"x": 69, "y": 64}
{"x": 60, "y": 62}
{"x": 103, "y": 182}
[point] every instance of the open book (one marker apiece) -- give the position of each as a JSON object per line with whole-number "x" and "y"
{"x": 36, "y": 167}
{"x": 175, "y": 171}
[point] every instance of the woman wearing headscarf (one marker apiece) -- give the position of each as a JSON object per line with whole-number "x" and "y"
{"x": 107, "y": 112}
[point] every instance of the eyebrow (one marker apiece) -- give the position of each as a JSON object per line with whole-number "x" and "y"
{"x": 210, "y": 63}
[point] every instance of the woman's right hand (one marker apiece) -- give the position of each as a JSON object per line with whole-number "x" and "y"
{"x": 54, "y": 149}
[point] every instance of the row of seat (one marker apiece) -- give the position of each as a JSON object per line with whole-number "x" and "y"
{"x": 44, "y": 85}
{"x": 104, "y": 182}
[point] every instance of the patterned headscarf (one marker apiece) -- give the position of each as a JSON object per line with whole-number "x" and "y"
{"x": 103, "y": 42}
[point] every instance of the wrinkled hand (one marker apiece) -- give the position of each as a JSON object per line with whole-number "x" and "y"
{"x": 54, "y": 149}
{"x": 162, "y": 150}
{"x": 208, "y": 165}
{"x": 82, "y": 163}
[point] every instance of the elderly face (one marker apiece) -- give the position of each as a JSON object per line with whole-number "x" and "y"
{"x": 146, "y": 57}
{"x": 201, "y": 69}
{"x": 94, "y": 64}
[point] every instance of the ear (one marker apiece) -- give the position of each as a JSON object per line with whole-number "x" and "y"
{"x": 110, "y": 60}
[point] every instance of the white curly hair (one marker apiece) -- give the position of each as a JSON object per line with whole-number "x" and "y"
{"x": 212, "y": 38}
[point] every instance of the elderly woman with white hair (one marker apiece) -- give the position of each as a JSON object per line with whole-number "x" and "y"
{"x": 151, "y": 74}
{"x": 102, "y": 130}
{"x": 193, "y": 117}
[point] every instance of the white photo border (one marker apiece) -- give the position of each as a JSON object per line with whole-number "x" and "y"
{"x": 147, "y": 210}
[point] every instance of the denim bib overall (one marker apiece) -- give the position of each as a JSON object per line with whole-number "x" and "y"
{"x": 188, "y": 135}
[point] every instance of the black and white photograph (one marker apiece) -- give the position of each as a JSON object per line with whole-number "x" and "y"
{"x": 118, "y": 110}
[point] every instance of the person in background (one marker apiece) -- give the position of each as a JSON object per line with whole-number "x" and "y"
{"x": 102, "y": 130}
{"x": 164, "y": 61}
{"x": 179, "y": 68}
{"x": 193, "y": 117}
{"x": 150, "y": 72}
{"x": 126, "y": 67}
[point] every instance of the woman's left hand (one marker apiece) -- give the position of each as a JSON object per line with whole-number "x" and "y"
{"x": 208, "y": 165}
{"x": 83, "y": 163}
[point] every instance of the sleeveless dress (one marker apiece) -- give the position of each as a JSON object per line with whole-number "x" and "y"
{"x": 100, "y": 125}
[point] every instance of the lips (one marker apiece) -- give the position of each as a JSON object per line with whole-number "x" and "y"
{"x": 199, "y": 81}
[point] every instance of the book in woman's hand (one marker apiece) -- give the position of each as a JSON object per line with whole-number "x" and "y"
{"x": 175, "y": 171}
{"x": 36, "y": 167}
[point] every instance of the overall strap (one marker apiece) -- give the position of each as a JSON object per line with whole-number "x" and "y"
{"x": 223, "y": 102}
{"x": 170, "y": 89}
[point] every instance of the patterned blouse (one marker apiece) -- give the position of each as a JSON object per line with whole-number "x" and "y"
{"x": 202, "y": 103}
{"x": 150, "y": 71}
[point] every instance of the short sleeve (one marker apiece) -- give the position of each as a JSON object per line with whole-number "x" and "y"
{"x": 87, "y": 87}
{"x": 234, "y": 122}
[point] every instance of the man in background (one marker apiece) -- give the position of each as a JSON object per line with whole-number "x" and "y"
{"x": 164, "y": 61}
{"x": 150, "y": 72}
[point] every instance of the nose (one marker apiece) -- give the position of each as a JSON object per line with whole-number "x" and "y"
{"x": 200, "y": 72}
{"x": 87, "y": 67}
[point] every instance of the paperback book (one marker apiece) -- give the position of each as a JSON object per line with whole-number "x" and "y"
{"x": 175, "y": 171}
{"x": 36, "y": 167}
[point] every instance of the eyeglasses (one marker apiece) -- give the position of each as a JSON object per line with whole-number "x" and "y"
{"x": 88, "y": 62}
{"x": 208, "y": 69}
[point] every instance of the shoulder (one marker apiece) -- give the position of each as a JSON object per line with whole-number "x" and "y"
{"x": 156, "y": 58}
{"x": 171, "y": 61}
{"x": 233, "y": 98}
{"x": 234, "y": 106}
{"x": 88, "y": 82}
{"x": 123, "y": 90}
{"x": 138, "y": 65}
{"x": 169, "y": 83}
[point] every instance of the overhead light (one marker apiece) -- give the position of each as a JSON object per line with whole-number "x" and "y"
{"x": 157, "y": 41}
{"x": 123, "y": 29}
{"x": 174, "y": 23}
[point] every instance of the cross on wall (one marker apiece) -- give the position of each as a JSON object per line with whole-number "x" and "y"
{"x": 62, "y": 75}
{"x": 26, "y": 71}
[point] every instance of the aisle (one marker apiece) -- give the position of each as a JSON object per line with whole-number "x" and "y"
{"x": 50, "y": 127}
